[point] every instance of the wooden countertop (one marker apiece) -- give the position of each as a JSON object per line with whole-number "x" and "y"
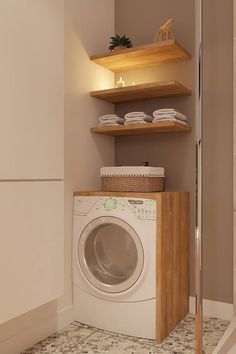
{"x": 153, "y": 195}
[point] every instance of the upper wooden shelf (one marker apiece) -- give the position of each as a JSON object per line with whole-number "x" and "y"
{"x": 142, "y": 56}
{"x": 138, "y": 129}
{"x": 142, "y": 92}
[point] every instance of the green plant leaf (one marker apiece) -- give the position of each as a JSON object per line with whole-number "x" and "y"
{"x": 118, "y": 40}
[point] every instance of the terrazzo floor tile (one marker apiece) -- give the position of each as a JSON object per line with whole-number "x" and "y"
{"x": 105, "y": 343}
{"x": 64, "y": 341}
{"x": 182, "y": 339}
{"x": 82, "y": 339}
{"x": 213, "y": 330}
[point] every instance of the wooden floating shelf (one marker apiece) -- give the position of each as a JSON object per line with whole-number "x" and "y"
{"x": 138, "y": 129}
{"x": 142, "y": 92}
{"x": 142, "y": 56}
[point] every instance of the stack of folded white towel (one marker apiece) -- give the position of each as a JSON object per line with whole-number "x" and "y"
{"x": 137, "y": 118}
{"x": 166, "y": 114}
{"x": 169, "y": 114}
{"x": 109, "y": 120}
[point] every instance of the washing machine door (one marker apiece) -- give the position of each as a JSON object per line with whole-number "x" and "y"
{"x": 110, "y": 254}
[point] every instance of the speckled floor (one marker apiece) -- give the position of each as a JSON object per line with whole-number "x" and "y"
{"x": 81, "y": 339}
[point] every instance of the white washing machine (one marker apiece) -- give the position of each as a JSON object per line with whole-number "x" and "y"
{"x": 114, "y": 264}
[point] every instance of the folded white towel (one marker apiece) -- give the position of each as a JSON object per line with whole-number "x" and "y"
{"x": 138, "y": 115}
{"x": 108, "y": 124}
{"x": 177, "y": 116}
{"x": 169, "y": 112}
{"x": 168, "y": 118}
{"x": 107, "y": 116}
{"x": 112, "y": 119}
{"x": 116, "y": 119}
{"x": 137, "y": 121}
{"x": 135, "y": 114}
{"x": 165, "y": 110}
{"x": 145, "y": 117}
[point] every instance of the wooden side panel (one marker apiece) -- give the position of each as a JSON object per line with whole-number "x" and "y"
{"x": 172, "y": 262}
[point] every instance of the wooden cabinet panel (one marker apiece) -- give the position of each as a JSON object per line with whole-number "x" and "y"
{"x": 172, "y": 256}
{"x": 31, "y": 245}
{"x": 31, "y": 89}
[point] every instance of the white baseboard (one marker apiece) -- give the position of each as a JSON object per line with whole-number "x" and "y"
{"x": 216, "y": 309}
{"x": 228, "y": 340}
{"x": 39, "y": 331}
{"x": 65, "y": 317}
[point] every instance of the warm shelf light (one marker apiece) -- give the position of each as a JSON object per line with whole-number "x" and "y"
{"x": 120, "y": 83}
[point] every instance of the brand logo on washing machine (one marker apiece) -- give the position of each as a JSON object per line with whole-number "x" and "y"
{"x": 136, "y": 202}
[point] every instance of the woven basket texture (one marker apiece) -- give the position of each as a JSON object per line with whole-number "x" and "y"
{"x": 133, "y": 184}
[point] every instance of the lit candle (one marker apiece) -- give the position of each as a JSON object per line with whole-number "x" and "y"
{"x": 133, "y": 83}
{"x": 120, "y": 83}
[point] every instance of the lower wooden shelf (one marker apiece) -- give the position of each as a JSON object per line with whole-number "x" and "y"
{"x": 138, "y": 129}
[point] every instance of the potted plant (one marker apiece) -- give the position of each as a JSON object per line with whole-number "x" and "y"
{"x": 119, "y": 42}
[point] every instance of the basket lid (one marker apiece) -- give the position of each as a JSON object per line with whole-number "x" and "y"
{"x": 132, "y": 171}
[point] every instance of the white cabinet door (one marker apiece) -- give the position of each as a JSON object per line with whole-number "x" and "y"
{"x": 31, "y": 89}
{"x": 31, "y": 246}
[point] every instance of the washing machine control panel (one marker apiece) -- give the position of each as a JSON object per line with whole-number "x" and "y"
{"x": 144, "y": 209}
{"x": 83, "y": 205}
{"x": 110, "y": 204}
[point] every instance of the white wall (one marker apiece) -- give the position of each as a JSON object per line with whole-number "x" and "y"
{"x": 88, "y": 26}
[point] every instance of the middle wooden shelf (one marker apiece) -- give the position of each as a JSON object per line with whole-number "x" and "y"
{"x": 142, "y": 92}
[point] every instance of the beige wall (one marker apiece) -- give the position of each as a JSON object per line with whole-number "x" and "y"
{"x": 140, "y": 20}
{"x": 84, "y": 153}
{"x": 176, "y": 152}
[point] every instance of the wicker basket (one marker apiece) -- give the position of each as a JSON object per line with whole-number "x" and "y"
{"x": 131, "y": 182}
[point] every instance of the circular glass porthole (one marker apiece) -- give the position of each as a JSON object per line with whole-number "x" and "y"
{"x": 110, "y": 254}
